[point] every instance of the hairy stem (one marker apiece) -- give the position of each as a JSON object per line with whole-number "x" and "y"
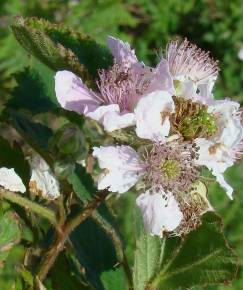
{"x": 62, "y": 235}
{"x": 30, "y": 205}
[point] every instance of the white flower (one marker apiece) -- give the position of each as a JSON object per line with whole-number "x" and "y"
{"x": 240, "y": 54}
{"x": 160, "y": 211}
{"x": 152, "y": 115}
{"x": 193, "y": 71}
{"x": 123, "y": 167}
{"x": 220, "y": 152}
{"x": 42, "y": 181}
{"x": 166, "y": 169}
{"x": 170, "y": 166}
{"x": 11, "y": 181}
{"x": 120, "y": 88}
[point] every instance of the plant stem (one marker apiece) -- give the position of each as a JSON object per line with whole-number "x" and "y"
{"x": 30, "y": 205}
{"x": 51, "y": 255}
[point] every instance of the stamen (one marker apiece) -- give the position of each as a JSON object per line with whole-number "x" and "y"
{"x": 122, "y": 85}
{"x": 186, "y": 59}
{"x": 172, "y": 166}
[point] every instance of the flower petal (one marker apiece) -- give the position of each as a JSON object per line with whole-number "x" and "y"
{"x": 152, "y": 115}
{"x": 213, "y": 156}
{"x": 230, "y": 128}
{"x": 123, "y": 167}
{"x": 121, "y": 51}
{"x": 160, "y": 211}
{"x": 220, "y": 179}
{"x": 161, "y": 79}
{"x": 111, "y": 118}
{"x": 217, "y": 159}
{"x": 73, "y": 94}
{"x": 42, "y": 181}
{"x": 10, "y": 180}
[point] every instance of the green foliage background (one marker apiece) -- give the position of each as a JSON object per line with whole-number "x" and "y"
{"x": 214, "y": 25}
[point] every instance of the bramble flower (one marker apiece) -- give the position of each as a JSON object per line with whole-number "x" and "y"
{"x": 42, "y": 181}
{"x": 172, "y": 107}
{"x": 221, "y": 150}
{"x": 215, "y": 126}
{"x": 10, "y": 180}
{"x": 194, "y": 72}
{"x": 167, "y": 170}
{"x": 119, "y": 88}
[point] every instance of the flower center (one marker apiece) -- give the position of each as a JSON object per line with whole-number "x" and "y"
{"x": 170, "y": 169}
{"x": 192, "y": 120}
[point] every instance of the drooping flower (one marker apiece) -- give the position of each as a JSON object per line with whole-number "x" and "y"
{"x": 119, "y": 88}
{"x": 10, "y": 180}
{"x": 42, "y": 181}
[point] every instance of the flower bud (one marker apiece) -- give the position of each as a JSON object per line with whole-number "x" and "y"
{"x": 63, "y": 168}
{"x": 69, "y": 140}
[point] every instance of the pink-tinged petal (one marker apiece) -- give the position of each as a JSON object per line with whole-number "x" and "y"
{"x": 111, "y": 118}
{"x": 160, "y": 211}
{"x": 161, "y": 79}
{"x": 11, "y": 181}
{"x": 73, "y": 94}
{"x": 122, "y": 165}
{"x": 121, "y": 51}
{"x": 152, "y": 115}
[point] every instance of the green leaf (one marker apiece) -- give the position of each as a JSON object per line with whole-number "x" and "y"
{"x": 82, "y": 184}
{"x": 12, "y": 157}
{"x": 8, "y": 273}
{"x": 34, "y": 90}
{"x": 147, "y": 258}
{"x": 61, "y": 48}
{"x": 113, "y": 279}
{"x": 96, "y": 254}
{"x": 201, "y": 258}
{"x": 89, "y": 53}
{"x": 62, "y": 277}
{"x": 26, "y": 275}
{"x": 10, "y": 233}
{"x": 37, "y": 43}
{"x": 98, "y": 246}
{"x": 35, "y": 134}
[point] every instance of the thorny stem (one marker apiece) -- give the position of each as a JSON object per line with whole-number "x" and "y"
{"x": 62, "y": 235}
{"x": 30, "y": 205}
